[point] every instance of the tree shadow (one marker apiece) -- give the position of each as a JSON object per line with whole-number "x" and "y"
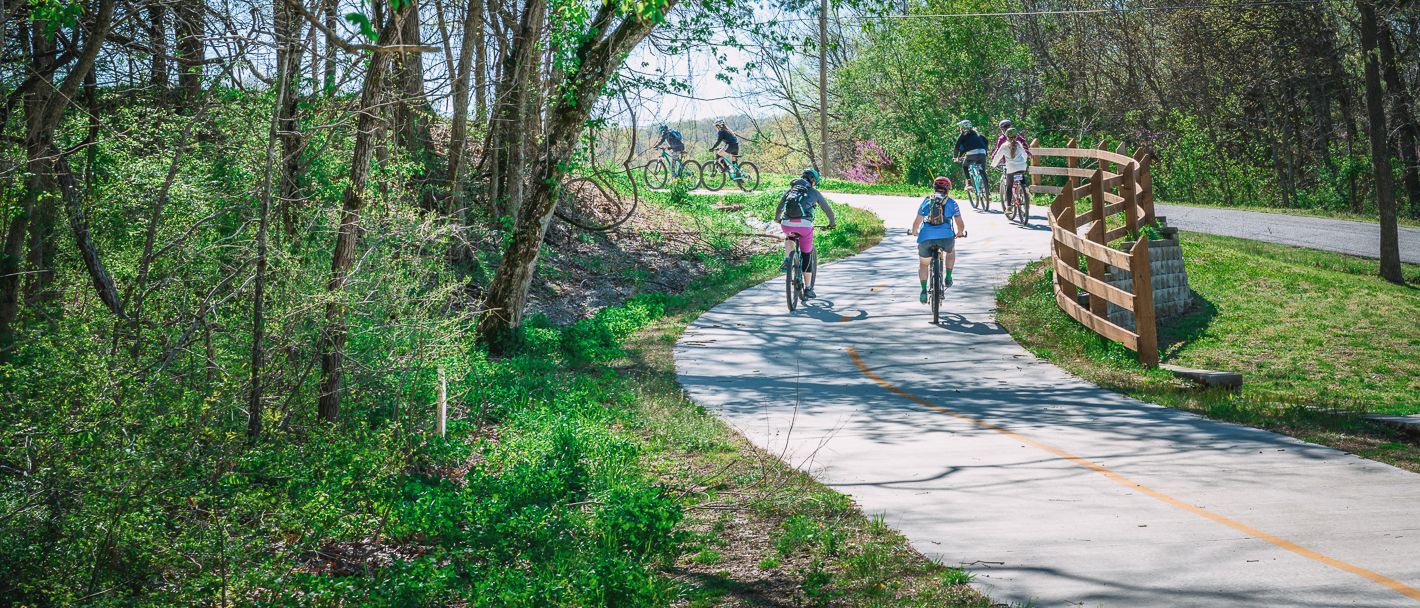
{"x": 1177, "y": 334}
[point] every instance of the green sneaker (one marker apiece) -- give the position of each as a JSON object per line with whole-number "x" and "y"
{"x": 922, "y": 297}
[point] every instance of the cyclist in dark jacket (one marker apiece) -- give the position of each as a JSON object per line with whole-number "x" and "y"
{"x": 971, "y": 146}
{"x": 671, "y": 140}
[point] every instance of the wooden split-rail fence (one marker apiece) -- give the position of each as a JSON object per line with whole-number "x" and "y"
{"x": 1114, "y": 184}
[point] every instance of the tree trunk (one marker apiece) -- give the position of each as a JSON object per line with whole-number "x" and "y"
{"x": 507, "y": 296}
{"x": 330, "y": 22}
{"x": 158, "y": 41}
{"x": 1403, "y": 110}
{"x": 510, "y": 120}
{"x": 480, "y": 61}
{"x": 288, "y": 57}
{"x": 333, "y": 339}
{"x": 411, "y": 111}
{"x": 458, "y": 133}
{"x": 191, "y": 48}
{"x": 1380, "y": 146}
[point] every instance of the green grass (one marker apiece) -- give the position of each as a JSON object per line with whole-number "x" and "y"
{"x": 1317, "y": 336}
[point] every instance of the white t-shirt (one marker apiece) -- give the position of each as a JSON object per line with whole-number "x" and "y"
{"x": 1014, "y": 164}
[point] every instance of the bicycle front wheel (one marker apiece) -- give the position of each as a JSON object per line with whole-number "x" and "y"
{"x": 973, "y": 198}
{"x": 790, "y": 293}
{"x": 749, "y": 177}
{"x": 712, "y": 176}
{"x": 981, "y": 189}
{"x": 655, "y": 174}
{"x": 1023, "y": 206}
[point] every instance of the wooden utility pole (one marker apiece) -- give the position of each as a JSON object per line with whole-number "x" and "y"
{"x": 823, "y": 83}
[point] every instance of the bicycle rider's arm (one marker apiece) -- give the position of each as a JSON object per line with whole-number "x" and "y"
{"x": 916, "y": 224}
{"x": 823, "y": 202}
{"x": 961, "y": 225}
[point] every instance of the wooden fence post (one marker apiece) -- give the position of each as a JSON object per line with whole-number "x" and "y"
{"x": 1098, "y": 305}
{"x": 443, "y": 403}
{"x": 1144, "y": 304}
{"x": 1146, "y": 188}
{"x": 1129, "y": 191}
{"x": 1072, "y": 163}
{"x": 1034, "y": 162}
{"x": 1063, "y": 212}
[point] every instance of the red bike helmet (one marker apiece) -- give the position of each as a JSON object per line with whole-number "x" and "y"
{"x": 941, "y": 184}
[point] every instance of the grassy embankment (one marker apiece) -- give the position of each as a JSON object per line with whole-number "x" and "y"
{"x": 1318, "y": 337}
{"x": 592, "y": 480}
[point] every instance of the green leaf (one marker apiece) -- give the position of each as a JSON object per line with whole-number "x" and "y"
{"x": 363, "y": 22}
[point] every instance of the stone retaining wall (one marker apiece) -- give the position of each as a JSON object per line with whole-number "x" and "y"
{"x": 1172, "y": 297}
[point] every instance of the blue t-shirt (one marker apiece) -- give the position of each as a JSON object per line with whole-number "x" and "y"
{"x": 945, "y": 231}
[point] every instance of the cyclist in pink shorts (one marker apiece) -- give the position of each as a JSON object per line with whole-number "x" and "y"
{"x": 795, "y": 215}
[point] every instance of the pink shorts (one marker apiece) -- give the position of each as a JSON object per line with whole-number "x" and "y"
{"x": 806, "y": 236}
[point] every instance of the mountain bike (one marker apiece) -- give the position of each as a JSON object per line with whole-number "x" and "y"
{"x": 745, "y": 174}
{"x": 794, "y": 276}
{"x": 936, "y": 287}
{"x": 659, "y": 170}
{"x": 1016, "y": 206}
{"x": 976, "y": 190}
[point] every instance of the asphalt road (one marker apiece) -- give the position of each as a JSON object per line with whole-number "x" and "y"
{"x": 1342, "y": 236}
{"x": 1049, "y": 489}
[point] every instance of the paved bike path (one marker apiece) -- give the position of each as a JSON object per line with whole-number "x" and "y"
{"x": 1342, "y": 236}
{"x": 1048, "y": 488}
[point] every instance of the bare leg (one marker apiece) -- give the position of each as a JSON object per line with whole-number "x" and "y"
{"x": 922, "y": 268}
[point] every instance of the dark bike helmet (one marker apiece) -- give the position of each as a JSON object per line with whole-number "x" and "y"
{"x": 812, "y": 175}
{"x": 663, "y": 129}
{"x": 1003, "y": 125}
{"x": 942, "y": 184}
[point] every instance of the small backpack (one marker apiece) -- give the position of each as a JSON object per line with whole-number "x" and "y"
{"x": 796, "y": 201}
{"x": 673, "y": 135}
{"x": 937, "y": 213}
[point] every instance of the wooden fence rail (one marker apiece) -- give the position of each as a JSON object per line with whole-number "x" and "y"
{"x": 1113, "y": 183}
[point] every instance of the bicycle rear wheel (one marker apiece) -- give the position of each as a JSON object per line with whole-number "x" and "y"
{"x": 655, "y": 174}
{"x": 749, "y": 177}
{"x": 790, "y": 292}
{"x": 936, "y": 285}
{"x": 712, "y": 176}
{"x": 1023, "y": 205}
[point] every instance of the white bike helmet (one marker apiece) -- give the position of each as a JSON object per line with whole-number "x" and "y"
{"x": 965, "y": 124}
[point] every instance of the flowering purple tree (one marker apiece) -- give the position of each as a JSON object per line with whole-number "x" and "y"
{"x": 868, "y": 163}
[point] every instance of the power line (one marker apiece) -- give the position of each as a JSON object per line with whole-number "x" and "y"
{"x": 1081, "y": 11}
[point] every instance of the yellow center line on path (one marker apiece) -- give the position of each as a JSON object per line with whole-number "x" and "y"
{"x": 1278, "y": 541}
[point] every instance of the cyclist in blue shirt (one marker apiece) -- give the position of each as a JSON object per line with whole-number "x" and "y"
{"x": 933, "y": 228}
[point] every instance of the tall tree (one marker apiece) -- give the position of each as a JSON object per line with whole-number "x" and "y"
{"x": 590, "y": 63}
{"x": 332, "y": 349}
{"x": 1407, "y": 135}
{"x": 190, "y": 27}
{"x": 45, "y": 103}
{"x": 1380, "y": 143}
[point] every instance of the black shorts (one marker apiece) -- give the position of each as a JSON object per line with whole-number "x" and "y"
{"x": 924, "y": 248}
{"x": 678, "y": 149}
{"x": 732, "y": 150}
{"x": 975, "y": 159}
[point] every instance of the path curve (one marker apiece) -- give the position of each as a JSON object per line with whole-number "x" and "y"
{"x": 1050, "y": 489}
{"x": 1342, "y": 236}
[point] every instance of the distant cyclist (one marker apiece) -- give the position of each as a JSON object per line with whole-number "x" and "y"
{"x": 727, "y": 137}
{"x": 933, "y": 228}
{"x": 671, "y": 140}
{"x": 1004, "y": 137}
{"x": 970, "y": 148}
{"x": 795, "y": 215}
{"x": 1015, "y": 156}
